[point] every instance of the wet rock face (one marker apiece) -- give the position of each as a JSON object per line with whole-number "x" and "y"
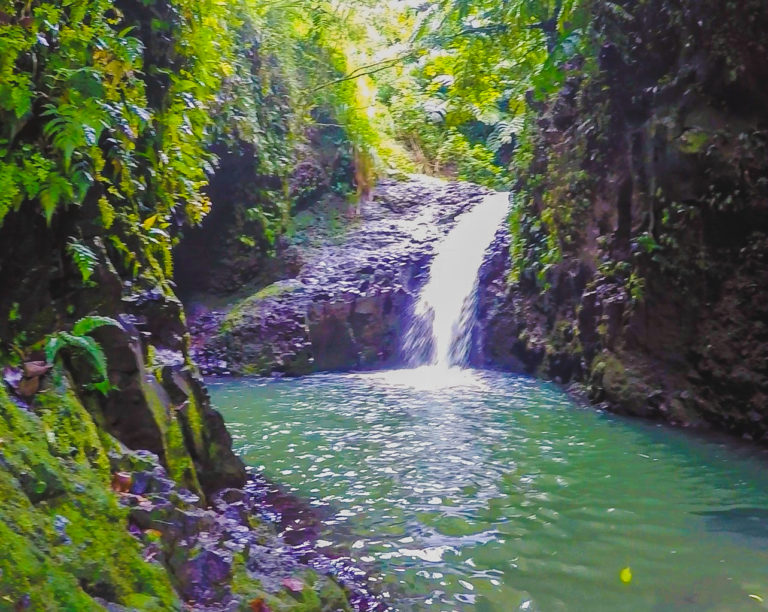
{"x": 518, "y": 328}
{"x": 648, "y": 286}
{"x": 348, "y": 306}
{"x": 730, "y": 358}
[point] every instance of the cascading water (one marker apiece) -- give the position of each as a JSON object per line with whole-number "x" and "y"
{"x": 441, "y": 329}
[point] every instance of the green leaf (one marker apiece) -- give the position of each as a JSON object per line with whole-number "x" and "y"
{"x": 57, "y": 191}
{"x": 85, "y": 259}
{"x": 149, "y": 222}
{"x": 87, "y": 324}
{"x": 83, "y": 345}
{"x": 648, "y": 242}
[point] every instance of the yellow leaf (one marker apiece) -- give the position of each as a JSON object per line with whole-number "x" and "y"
{"x": 116, "y": 69}
{"x": 149, "y": 222}
{"x": 626, "y": 575}
{"x": 756, "y": 597}
{"x": 153, "y": 535}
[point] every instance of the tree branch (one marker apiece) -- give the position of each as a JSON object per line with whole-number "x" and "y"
{"x": 549, "y": 26}
{"x": 366, "y": 70}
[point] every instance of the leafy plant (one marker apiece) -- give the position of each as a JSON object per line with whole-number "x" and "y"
{"x": 648, "y": 242}
{"x": 85, "y": 259}
{"x": 636, "y": 287}
{"x": 80, "y": 343}
{"x": 468, "y": 93}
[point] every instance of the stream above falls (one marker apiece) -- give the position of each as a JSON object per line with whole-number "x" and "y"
{"x": 485, "y": 491}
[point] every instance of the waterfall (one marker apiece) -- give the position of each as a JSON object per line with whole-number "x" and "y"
{"x": 440, "y": 332}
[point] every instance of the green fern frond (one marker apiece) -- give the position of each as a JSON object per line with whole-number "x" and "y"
{"x": 87, "y": 324}
{"x": 78, "y": 342}
{"x": 504, "y": 133}
{"x": 85, "y": 259}
{"x": 84, "y": 345}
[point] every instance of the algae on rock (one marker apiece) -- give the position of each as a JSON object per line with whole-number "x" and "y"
{"x": 65, "y": 541}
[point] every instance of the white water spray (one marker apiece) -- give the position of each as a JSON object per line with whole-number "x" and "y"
{"x": 441, "y": 331}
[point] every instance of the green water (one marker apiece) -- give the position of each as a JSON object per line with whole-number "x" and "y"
{"x": 489, "y": 492}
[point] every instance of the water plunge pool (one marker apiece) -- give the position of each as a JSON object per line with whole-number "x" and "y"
{"x": 491, "y": 492}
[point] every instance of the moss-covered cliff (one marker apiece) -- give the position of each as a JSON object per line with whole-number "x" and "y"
{"x": 638, "y": 255}
{"x": 65, "y": 538}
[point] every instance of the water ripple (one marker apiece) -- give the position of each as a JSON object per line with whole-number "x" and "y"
{"x": 480, "y": 491}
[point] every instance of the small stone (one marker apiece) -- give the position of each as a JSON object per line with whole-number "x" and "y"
{"x": 199, "y": 575}
{"x": 293, "y": 584}
{"x": 60, "y": 527}
{"x": 187, "y": 497}
{"x": 121, "y": 482}
{"x": 141, "y": 482}
{"x": 160, "y": 485}
{"x": 12, "y": 376}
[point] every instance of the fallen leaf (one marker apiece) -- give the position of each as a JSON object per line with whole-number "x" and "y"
{"x": 121, "y": 482}
{"x": 756, "y": 597}
{"x": 153, "y": 534}
{"x": 626, "y": 575}
{"x": 258, "y": 605}
{"x": 36, "y": 368}
{"x": 293, "y": 584}
{"x": 28, "y": 386}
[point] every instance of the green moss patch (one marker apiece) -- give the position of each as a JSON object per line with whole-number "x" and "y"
{"x": 64, "y": 535}
{"x": 178, "y": 461}
{"x": 318, "y": 593}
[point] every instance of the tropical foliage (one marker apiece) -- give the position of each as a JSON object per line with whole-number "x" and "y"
{"x": 115, "y": 108}
{"x": 476, "y": 71}
{"x": 78, "y": 342}
{"x": 119, "y": 105}
{"x": 112, "y": 112}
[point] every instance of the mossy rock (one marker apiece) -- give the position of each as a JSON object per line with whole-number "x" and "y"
{"x": 175, "y": 452}
{"x": 619, "y": 384}
{"x": 318, "y": 593}
{"x": 68, "y": 544}
{"x": 240, "y": 312}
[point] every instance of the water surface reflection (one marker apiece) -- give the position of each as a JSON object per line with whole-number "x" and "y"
{"x": 482, "y": 491}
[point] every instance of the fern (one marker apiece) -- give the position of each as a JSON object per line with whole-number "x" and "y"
{"x": 88, "y": 324}
{"x": 85, "y": 259}
{"x": 504, "y": 133}
{"x": 80, "y": 343}
{"x": 57, "y": 189}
